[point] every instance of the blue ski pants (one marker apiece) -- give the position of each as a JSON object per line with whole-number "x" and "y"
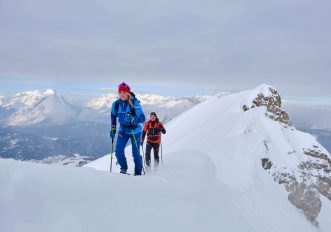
{"x": 122, "y": 140}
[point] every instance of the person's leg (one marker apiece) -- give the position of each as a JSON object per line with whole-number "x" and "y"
{"x": 138, "y": 163}
{"x": 156, "y": 154}
{"x": 122, "y": 140}
{"x": 148, "y": 153}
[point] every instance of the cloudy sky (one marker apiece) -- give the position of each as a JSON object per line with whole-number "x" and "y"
{"x": 168, "y": 46}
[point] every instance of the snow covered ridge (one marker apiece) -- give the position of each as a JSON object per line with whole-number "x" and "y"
{"x": 310, "y": 178}
{"x": 250, "y": 140}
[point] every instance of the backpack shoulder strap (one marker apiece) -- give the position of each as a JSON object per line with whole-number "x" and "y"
{"x": 117, "y": 105}
{"x": 132, "y": 110}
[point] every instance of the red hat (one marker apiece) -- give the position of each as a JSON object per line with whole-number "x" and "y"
{"x": 124, "y": 87}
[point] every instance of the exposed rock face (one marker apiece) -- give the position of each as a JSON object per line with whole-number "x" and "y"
{"x": 311, "y": 178}
{"x": 304, "y": 196}
{"x": 266, "y": 163}
{"x": 273, "y": 103}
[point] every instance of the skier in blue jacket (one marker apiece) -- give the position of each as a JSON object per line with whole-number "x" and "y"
{"x": 130, "y": 115}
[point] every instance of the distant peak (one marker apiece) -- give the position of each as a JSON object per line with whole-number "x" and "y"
{"x": 50, "y": 92}
{"x": 265, "y": 90}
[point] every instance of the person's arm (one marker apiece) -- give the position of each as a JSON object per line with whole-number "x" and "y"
{"x": 144, "y": 132}
{"x": 113, "y": 117}
{"x": 162, "y": 129}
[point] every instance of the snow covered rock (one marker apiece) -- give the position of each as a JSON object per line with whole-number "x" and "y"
{"x": 312, "y": 175}
{"x": 249, "y": 137}
{"x": 269, "y": 97}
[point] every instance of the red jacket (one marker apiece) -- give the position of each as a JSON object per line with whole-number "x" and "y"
{"x": 153, "y": 130}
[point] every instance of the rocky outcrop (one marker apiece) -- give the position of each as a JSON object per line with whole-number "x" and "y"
{"x": 266, "y": 163}
{"x": 304, "y": 197}
{"x": 272, "y": 100}
{"x": 311, "y": 178}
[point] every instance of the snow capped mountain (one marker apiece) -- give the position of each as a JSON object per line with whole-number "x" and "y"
{"x": 35, "y": 107}
{"x": 2, "y": 101}
{"x": 24, "y": 99}
{"x": 103, "y": 103}
{"x": 48, "y": 107}
{"x": 245, "y": 142}
{"x": 167, "y": 107}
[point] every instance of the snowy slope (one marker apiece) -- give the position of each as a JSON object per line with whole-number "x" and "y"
{"x": 35, "y": 107}
{"x": 250, "y": 143}
{"x": 36, "y": 197}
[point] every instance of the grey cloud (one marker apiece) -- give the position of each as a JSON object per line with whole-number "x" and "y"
{"x": 221, "y": 44}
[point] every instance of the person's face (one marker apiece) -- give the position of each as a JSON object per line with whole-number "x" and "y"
{"x": 153, "y": 118}
{"x": 124, "y": 96}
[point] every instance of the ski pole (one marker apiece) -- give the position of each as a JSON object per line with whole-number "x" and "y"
{"x": 142, "y": 146}
{"x": 161, "y": 155}
{"x": 111, "y": 154}
{"x": 135, "y": 141}
{"x": 161, "y": 150}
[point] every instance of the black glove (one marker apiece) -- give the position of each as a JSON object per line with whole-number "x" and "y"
{"x": 112, "y": 132}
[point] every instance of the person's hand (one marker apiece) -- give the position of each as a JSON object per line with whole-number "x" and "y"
{"x": 112, "y": 132}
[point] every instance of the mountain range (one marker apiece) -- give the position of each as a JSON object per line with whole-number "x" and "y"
{"x": 46, "y": 126}
{"x": 50, "y": 108}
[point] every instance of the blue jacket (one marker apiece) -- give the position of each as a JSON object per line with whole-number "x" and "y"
{"x": 124, "y": 109}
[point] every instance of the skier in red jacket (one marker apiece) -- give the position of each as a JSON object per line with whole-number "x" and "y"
{"x": 153, "y": 128}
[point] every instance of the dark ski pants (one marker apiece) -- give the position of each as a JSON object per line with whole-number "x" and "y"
{"x": 122, "y": 140}
{"x": 156, "y": 148}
